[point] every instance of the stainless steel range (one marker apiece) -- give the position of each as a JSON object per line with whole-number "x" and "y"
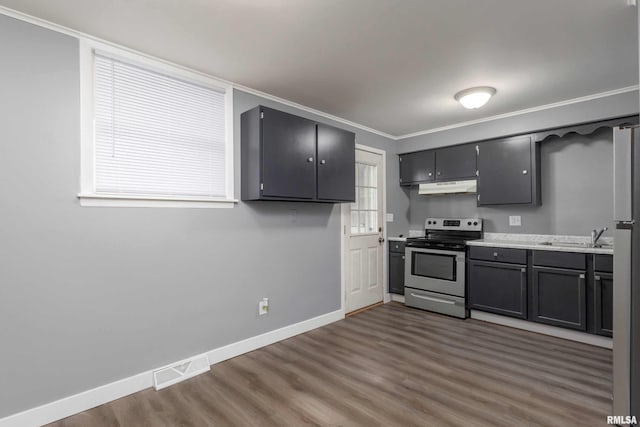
{"x": 435, "y": 265}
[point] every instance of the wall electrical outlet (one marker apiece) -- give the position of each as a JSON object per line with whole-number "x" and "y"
{"x": 515, "y": 221}
{"x": 263, "y": 306}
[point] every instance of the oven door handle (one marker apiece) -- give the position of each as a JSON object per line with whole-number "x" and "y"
{"x": 433, "y": 299}
{"x": 458, "y": 256}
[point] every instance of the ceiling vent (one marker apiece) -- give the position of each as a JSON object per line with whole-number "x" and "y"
{"x": 180, "y": 371}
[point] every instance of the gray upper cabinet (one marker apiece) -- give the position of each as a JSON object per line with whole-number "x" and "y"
{"x": 457, "y": 162}
{"x": 508, "y": 172}
{"x": 290, "y": 158}
{"x": 417, "y": 167}
{"x": 288, "y": 140}
{"x": 336, "y": 164}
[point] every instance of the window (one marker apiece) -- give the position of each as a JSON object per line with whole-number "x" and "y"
{"x": 364, "y": 212}
{"x": 153, "y": 134}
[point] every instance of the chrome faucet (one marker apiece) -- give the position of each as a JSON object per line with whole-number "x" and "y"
{"x": 596, "y": 234}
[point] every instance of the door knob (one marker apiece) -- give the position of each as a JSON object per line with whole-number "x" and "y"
{"x": 380, "y": 239}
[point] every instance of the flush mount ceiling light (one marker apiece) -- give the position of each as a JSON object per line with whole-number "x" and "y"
{"x": 475, "y": 97}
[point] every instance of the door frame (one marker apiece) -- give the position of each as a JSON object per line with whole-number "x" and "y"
{"x": 345, "y": 219}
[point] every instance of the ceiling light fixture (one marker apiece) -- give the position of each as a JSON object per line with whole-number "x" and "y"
{"x": 475, "y": 97}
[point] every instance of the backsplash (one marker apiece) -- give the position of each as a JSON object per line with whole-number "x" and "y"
{"x": 577, "y": 193}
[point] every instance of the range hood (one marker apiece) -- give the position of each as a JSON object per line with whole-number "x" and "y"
{"x": 449, "y": 187}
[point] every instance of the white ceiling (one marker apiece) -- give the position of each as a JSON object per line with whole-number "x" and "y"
{"x": 391, "y": 65}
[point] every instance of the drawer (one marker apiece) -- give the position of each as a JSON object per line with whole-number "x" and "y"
{"x": 571, "y": 260}
{"x": 432, "y": 301}
{"x": 603, "y": 263}
{"x": 508, "y": 255}
{"x": 396, "y": 246}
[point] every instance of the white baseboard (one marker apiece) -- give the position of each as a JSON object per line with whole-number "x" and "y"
{"x": 398, "y": 298}
{"x": 237, "y": 348}
{"x": 567, "y": 334}
{"x": 80, "y": 402}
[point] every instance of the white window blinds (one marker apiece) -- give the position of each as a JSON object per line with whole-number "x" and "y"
{"x": 156, "y": 135}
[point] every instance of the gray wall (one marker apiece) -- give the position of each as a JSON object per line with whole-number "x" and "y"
{"x": 577, "y": 192}
{"x": 93, "y": 295}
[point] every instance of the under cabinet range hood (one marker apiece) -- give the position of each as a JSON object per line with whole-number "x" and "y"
{"x": 448, "y": 187}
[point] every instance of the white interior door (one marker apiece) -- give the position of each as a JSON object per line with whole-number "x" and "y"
{"x": 365, "y": 245}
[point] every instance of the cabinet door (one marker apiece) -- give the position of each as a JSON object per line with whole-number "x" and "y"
{"x": 558, "y": 297}
{"x": 417, "y": 167}
{"x": 603, "y": 303}
{"x": 288, "y": 155}
{"x": 505, "y": 175}
{"x": 498, "y": 288}
{"x": 454, "y": 163}
{"x": 396, "y": 273}
{"x": 336, "y": 164}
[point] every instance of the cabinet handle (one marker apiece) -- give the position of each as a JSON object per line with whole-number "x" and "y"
{"x": 524, "y": 172}
{"x": 495, "y": 254}
{"x": 402, "y": 256}
{"x": 430, "y": 174}
{"x": 438, "y": 173}
{"x": 322, "y": 162}
{"x": 581, "y": 276}
{"x": 523, "y": 270}
{"x": 310, "y": 160}
{"x": 598, "y": 278}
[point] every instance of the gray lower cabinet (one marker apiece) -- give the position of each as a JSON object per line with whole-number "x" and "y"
{"x": 603, "y": 304}
{"x": 396, "y": 267}
{"x": 558, "y": 297}
{"x": 566, "y": 289}
{"x": 498, "y": 288}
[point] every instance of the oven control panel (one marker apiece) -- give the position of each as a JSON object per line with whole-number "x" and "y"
{"x": 462, "y": 224}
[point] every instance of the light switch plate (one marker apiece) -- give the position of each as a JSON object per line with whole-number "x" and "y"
{"x": 515, "y": 221}
{"x": 389, "y": 217}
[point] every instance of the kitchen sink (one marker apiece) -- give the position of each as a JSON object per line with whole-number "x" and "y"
{"x": 576, "y": 245}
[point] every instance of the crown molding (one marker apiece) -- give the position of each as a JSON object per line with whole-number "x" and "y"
{"x": 525, "y": 111}
{"x": 80, "y": 35}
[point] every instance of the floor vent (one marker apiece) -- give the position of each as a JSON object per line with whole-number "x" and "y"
{"x": 180, "y": 371}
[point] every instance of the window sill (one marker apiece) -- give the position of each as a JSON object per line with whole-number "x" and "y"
{"x": 131, "y": 201}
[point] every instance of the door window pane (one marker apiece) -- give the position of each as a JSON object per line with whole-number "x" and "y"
{"x": 364, "y": 212}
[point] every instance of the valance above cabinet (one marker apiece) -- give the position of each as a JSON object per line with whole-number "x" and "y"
{"x": 290, "y": 158}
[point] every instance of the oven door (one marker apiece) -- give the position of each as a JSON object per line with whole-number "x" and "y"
{"x": 435, "y": 270}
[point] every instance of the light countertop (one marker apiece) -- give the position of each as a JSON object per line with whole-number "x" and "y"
{"x": 536, "y": 242}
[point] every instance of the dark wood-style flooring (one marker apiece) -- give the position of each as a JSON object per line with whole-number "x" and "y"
{"x": 388, "y": 366}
